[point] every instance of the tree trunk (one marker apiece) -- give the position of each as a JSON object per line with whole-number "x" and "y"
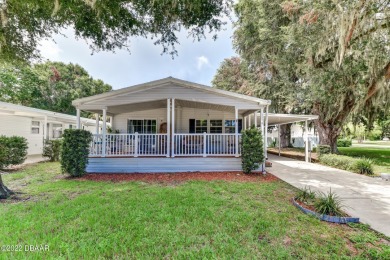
{"x": 285, "y": 135}
{"x": 328, "y": 135}
{"x": 4, "y": 191}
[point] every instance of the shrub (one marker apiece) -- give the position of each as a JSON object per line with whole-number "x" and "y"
{"x": 323, "y": 149}
{"x": 338, "y": 161}
{"x": 364, "y": 166}
{"x": 306, "y": 195}
{"x": 329, "y": 204}
{"x": 13, "y": 150}
{"x": 251, "y": 149}
{"x": 75, "y": 150}
{"x": 52, "y": 150}
{"x": 344, "y": 143}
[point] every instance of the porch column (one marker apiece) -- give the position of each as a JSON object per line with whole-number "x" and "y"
{"x": 255, "y": 115}
{"x": 168, "y": 127}
{"x": 266, "y": 133}
{"x": 97, "y": 123}
{"x": 279, "y": 138}
{"x": 236, "y": 131}
{"x": 104, "y": 130}
{"x": 173, "y": 129}
{"x": 78, "y": 123}
{"x": 262, "y": 133}
{"x": 306, "y": 143}
{"x": 245, "y": 122}
{"x": 45, "y": 135}
{"x": 249, "y": 121}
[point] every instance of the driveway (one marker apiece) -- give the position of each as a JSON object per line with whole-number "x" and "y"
{"x": 364, "y": 197}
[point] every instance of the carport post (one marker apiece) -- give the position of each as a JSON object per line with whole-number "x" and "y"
{"x": 255, "y": 115}
{"x": 266, "y": 133}
{"x": 45, "y": 135}
{"x": 279, "y": 138}
{"x": 249, "y": 121}
{"x": 306, "y": 143}
{"x": 78, "y": 123}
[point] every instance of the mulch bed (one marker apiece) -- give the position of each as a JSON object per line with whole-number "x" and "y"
{"x": 180, "y": 177}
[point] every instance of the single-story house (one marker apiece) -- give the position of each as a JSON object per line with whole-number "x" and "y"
{"x": 37, "y": 125}
{"x": 171, "y": 125}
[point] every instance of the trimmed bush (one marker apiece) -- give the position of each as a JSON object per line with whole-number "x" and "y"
{"x": 344, "y": 143}
{"x": 364, "y": 166}
{"x": 338, "y": 161}
{"x": 323, "y": 149}
{"x": 75, "y": 150}
{"x": 52, "y": 150}
{"x": 252, "y": 155}
{"x": 13, "y": 150}
{"x": 329, "y": 204}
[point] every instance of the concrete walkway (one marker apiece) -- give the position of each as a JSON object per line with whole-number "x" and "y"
{"x": 364, "y": 197}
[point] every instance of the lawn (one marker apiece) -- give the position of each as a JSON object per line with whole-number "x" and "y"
{"x": 194, "y": 219}
{"x": 380, "y": 156}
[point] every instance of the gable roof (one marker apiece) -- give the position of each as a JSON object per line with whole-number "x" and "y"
{"x": 171, "y": 80}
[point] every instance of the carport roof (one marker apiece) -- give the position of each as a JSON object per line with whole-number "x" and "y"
{"x": 281, "y": 119}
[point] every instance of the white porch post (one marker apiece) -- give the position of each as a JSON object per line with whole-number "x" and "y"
{"x": 78, "y": 123}
{"x": 236, "y": 131}
{"x": 45, "y": 135}
{"x": 279, "y": 138}
{"x": 168, "y": 127}
{"x": 173, "y": 129}
{"x": 262, "y": 133}
{"x": 245, "y": 122}
{"x": 104, "y": 130}
{"x": 306, "y": 143}
{"x": 97, "y": 123}
{"x": 266, "y": 133}
{"x": 249, "y": 121}
{"x": 255, "y": 115}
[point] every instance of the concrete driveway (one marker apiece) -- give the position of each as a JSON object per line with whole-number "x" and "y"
{"x": 364, "y": 197}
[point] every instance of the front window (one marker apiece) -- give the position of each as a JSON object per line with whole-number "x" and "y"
{"x": 35, "y": 125}
{"x": 142, "y": 126}
{"x": 57, "y": 130}
{"x": 216, "y": 126}
{"x": 201, "y": 126}
{"x": 229, "y": 126}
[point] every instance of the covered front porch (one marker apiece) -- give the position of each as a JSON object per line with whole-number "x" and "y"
{"x": 171, "y": 119}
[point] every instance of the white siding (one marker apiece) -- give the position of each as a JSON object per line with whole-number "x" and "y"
{"x": 134, "y": 165}
{"x": 182, "y": 116}
{"x": 21, "y": 126}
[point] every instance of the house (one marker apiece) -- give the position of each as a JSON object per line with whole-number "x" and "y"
{"x": 169, "y": 125}
{"x": 37, "y": 125}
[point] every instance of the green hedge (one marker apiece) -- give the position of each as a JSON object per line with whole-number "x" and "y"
{"x": 323, "y": 149}
{"x": 252, "y": 155}
{"x": 344, "y": 143}
{"x": 13, "y": 150}
{"x": 52, "y": 150}
{"x": 358, "y": 165}
{"x": 75, "y": 150}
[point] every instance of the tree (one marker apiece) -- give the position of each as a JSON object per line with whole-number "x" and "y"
{"x": 333, "y": 56}
{"x": 50, "y": 85}
{"x": 106, "y": 24}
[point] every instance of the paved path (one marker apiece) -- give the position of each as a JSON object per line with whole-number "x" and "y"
{"x": 364, "y": 197}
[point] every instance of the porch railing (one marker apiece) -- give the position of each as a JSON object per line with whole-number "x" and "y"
{"x": 117, "y": 145}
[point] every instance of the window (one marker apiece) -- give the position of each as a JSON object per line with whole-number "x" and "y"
{"x": 35, "y": 125}
{"x": 57, "y": 130}
{"x": 230, "y": 126}
{"x": 215, "y": 126}
{"x": 142, "y": 126}
{"x": 201, "y": 126}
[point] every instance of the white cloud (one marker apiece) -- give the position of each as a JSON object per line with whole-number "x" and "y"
{"x": 202, "y": 61}
{"x": 50, "y": 50}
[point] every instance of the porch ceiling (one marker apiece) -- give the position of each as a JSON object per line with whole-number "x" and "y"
{"x": 162, "y": 104}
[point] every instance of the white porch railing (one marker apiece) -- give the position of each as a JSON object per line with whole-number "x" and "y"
{"x": 117, "y": 145}
{"x": 129, "y": 145}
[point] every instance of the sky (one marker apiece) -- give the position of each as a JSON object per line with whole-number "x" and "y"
{"x": 196, "y": 61}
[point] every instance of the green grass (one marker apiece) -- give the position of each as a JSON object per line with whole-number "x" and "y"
{"x": 197, "y": 219}
{"x": 380, "y": 156}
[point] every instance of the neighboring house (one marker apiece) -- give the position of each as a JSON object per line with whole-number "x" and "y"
{"x": 171, "y": 125}
{"x": 37, "y": 125}
{"x": 297, "y": 135}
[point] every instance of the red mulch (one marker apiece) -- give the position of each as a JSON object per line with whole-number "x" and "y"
{"x": 180, "y": 177}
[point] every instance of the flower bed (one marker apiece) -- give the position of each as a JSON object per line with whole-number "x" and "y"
{"x": 333, "y": 219}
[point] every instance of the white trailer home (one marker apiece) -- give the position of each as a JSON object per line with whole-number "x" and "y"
{"x": 37, "y": 125}
{"x": 171, "y": 125}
